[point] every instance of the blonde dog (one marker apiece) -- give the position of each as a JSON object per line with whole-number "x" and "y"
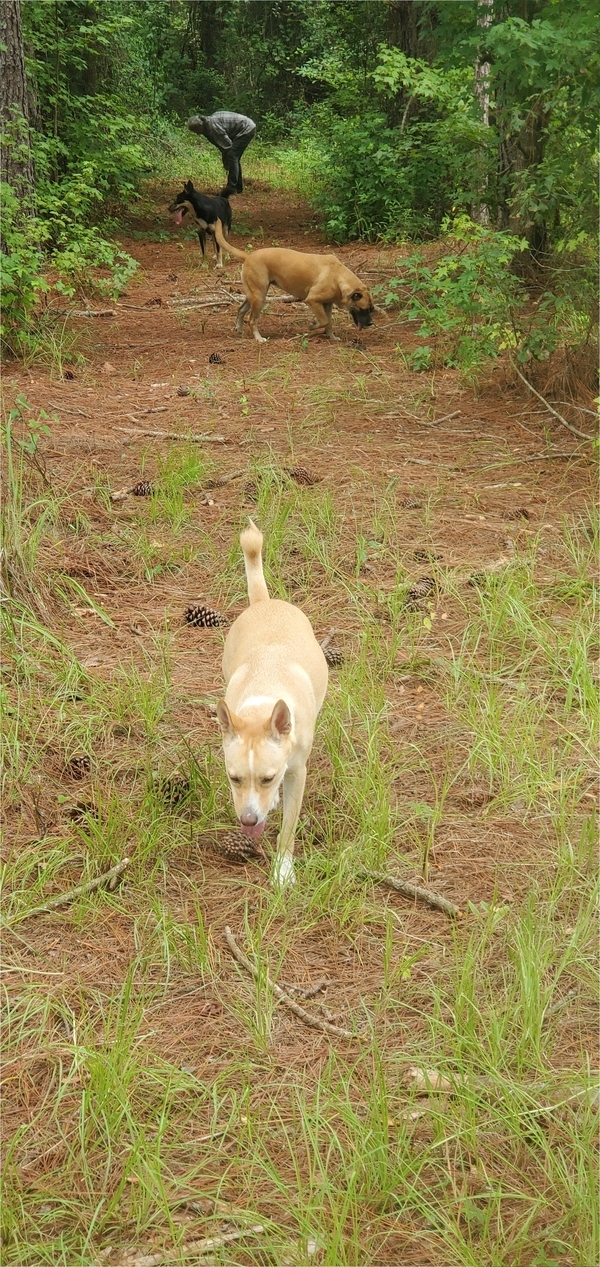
{"x": 276, "y": 677}
{"x": 322, "y": 281}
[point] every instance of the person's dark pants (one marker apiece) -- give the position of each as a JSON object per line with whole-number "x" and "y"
{"x": 231, "y": 163}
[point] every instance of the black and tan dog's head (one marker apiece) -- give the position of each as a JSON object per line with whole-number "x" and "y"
{"x": 359, "y": 303}
{"x": 183, "y": 204}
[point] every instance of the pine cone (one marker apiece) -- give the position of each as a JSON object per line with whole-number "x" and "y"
{"x": 302, "y": 476}
{"x": 251, "y": 491}
{"x": 182, "y": 390}
{"x": 78, "y": 767}
{"x": 425, "y": 556}
{"x": 519, "y": 513}
{"x": 69, "y": 375}
{"x": 411, "y": 503}
{"x": 333, "y": 657}
{"x": 204, "y": 617}
{"x": 80, "y": 811}
{"x": 174, "y": 789}
{"x": 143, "y": 488}
{"x": 171, "y": 277}
{"x": 154, "y": 303}
{"x": 215, "y": 359}
{"x": 420, "y": 590}
{"x": 234, "y": 847}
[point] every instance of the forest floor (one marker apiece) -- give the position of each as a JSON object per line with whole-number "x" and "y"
{"x": 155, "y": 1094}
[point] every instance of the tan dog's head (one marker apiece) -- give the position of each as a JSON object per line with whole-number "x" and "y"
{"x": 359, "y": 302}
{"x": 257, "y": 751}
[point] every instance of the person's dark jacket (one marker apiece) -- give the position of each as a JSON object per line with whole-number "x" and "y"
{"x": 223, "y": 128}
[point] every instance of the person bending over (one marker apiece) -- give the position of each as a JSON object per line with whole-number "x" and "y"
{"x": 231, "y": 133}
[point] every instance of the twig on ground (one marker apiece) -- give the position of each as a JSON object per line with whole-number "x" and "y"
{"x": 329, "y": 638}
{"x": 175, "y": 435}
{"x": 90, "y": 312}
{"x": 219, "y": 481}
{"x": 415, "y": 892}
{"x": 294, "y": 1007}
{"x": 189, "y": 1249}
{"x": 310, "y": 991}
{"x": 63, "y": 409}
{"x": 576, "y": 432}
{"x": 436, "y": 421}
{"x": 580, "y": 408}
{"x": 62, "y": 899}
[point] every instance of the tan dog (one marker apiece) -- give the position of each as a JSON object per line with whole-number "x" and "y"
{"x": 276, "y": 677}
{"x": 322, "y": 281}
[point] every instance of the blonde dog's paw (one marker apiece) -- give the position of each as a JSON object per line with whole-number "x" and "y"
{"x": 284, "y": 874}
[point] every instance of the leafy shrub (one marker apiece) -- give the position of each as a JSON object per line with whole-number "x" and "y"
{"x": 382, "y": 176}
{"x": 471, "y": 305}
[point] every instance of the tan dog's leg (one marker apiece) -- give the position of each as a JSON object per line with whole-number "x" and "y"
{"x": 242, "y": 310}
{"x": 322, "y": 316}
{"x": 256, "y": 308}
{"x": 293, "y": 791}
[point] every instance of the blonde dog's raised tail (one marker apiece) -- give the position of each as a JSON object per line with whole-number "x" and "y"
{"x": 251, "y": 542}
{"x": 225, "y": 245}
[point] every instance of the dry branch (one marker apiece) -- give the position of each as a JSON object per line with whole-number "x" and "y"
{"x": 189, "y": 1249}
{"x": 417, "y": 893}
{"x": 436, "y": 421}
{"x": 294, "y": 1007}
{"x": 62, "y": 899}
{"x": 576, "y": 432}
{"x": 194, "y": 436}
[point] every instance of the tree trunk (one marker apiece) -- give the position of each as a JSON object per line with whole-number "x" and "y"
{"x": 16, "y": 163}
{"x": 403, "y": 30}
{"x": 481, "y": 211}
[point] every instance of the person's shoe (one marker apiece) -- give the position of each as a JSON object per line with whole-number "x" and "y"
{"x": 196, "y": 124}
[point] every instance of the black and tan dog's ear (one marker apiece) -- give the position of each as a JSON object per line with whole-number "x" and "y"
{"x": 224, "y": 718}
{"x": 281, "y": 720}
{"x": 189, "y": 187}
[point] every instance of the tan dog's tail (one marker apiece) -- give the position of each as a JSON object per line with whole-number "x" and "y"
{"x": 225, "y": 245}
{"x": 251, "y": 542}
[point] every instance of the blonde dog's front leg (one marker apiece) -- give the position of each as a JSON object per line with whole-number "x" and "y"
{"x": 293, "y": 791}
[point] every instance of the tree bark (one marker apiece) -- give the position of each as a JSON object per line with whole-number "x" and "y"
{"x": 16, "y": 164}
{"x": 481, "y": 211}
{"x": 403, "y": 29}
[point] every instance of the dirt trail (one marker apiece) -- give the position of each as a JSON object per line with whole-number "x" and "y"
{"x": 471, "y": 479}
{"x": 349, "y": 410}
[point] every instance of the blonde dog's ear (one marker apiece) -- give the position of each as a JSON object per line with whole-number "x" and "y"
{"x": 224, "y": 718}
{"x": 281, "y": 720}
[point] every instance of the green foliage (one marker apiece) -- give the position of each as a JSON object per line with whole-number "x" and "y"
{"x": 22, "y": 280}
{"x": 470, "y": 303}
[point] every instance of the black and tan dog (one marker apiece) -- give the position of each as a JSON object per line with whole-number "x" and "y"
{"x": 207, "y": 211}
{"x": 322, "y": 281}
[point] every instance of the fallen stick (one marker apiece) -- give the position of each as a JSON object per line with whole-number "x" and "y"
{"x": 309, "y": 992}
{"x": 62, "y": 899}
{"x": 415, "y": 892}
{"x": 219, "y": 481}
{"x": 576, "y": 432}
{"x": 175, "y": 435}
{"x": 189, "y": 1248}
{"x": 294, "y": 1007}
{"x": 90, "y": 312}
{"x": 435, "y": 421}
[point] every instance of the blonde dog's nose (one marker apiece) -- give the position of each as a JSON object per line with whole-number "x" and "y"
{"x": 248, "y": 819}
